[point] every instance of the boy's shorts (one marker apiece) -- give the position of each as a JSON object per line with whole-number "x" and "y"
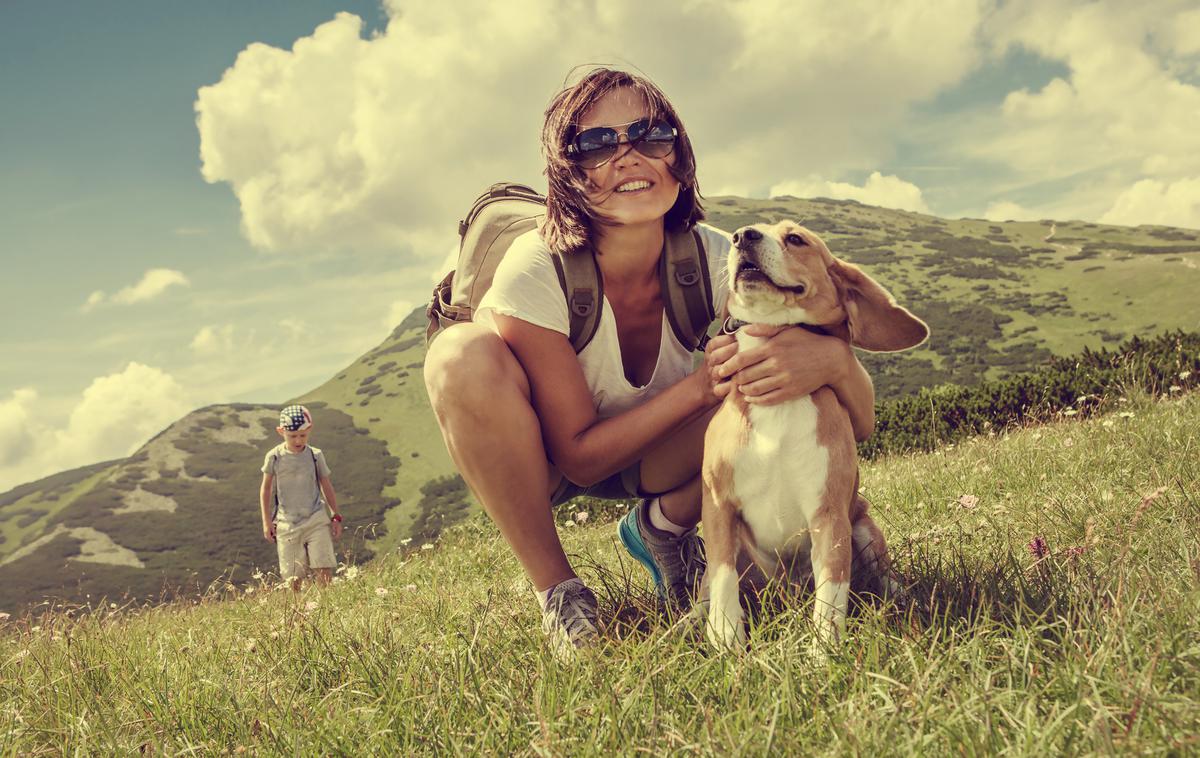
{"x": 306, "y": 545}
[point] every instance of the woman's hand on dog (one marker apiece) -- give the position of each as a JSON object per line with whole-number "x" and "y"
{"x": 793, "y": 362}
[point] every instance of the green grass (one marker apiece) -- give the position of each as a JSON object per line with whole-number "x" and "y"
{"x": 1091, "y": 648}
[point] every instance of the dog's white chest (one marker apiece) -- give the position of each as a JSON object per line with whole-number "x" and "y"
{"x": 779, "y": 477}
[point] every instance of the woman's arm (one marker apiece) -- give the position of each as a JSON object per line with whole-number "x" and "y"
{"x": 796, "y": 362}
{"x": 585, "y": 448}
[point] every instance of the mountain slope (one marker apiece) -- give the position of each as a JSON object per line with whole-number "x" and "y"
{"x": 182, "y": 511}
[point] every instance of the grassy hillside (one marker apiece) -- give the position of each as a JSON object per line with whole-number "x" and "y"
{"x": 1055, "y": 590}
{"x": 999, "y": 297}
{"x": 180, "y": 513}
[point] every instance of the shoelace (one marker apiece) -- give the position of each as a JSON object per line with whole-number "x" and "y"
{"x": 572, "y": 609}
{"x": 692, "y": 561}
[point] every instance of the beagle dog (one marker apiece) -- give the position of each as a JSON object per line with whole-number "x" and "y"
{"x": 780, "y": 483}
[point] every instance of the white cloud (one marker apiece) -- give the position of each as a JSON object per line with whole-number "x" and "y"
{"x": 1150, "y": 201}
{"x": 153, "y": 283}
{"x": 115, "y": 415}
{"x": 345, "y": 141}
{"x": 397, "y": 313}
{"x": 16, "y": 438}
{"x": 1124, "y": 111}
{"x": 1005, "y": 210}
{"x": 211, "y": 340}
{"x": 884, "y": 191}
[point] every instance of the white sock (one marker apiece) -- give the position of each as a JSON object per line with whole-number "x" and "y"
{"x": 659, "y": 520}
{"x": 543, "y": 596}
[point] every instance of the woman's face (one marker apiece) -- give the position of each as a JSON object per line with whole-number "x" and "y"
{"x": 631, "y": 188}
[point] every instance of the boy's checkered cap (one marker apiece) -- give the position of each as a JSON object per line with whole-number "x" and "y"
{"x": 295, "y": 418}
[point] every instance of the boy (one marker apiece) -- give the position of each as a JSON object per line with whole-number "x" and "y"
{"x": 295, "y": 476}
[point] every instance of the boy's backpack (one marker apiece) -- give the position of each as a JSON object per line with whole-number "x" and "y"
{"x": 506, "y": 211}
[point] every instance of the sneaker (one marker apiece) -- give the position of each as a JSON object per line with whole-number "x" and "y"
{"x": 569, "y": 618}
{"x": 676, "y": 564}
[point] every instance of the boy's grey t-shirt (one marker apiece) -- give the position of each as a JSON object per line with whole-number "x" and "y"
{"x": 296, "y": 486}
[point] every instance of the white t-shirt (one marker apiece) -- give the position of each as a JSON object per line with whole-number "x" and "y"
{"x": 526, "y": 286}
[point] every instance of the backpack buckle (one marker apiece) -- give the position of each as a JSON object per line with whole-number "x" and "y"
{"x": 582, "y": 302}
{"x": 687, "y": 273}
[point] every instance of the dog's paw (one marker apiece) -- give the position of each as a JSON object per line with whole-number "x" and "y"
{"x": 726, "y": 634}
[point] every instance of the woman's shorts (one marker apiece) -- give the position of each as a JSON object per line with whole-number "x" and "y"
{"x": 307, "y": 545}
{"x": 620, "y": 486}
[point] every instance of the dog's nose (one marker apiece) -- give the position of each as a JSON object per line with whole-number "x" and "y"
{"x": 747, "y": 233}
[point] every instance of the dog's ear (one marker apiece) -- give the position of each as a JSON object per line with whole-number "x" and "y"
{"x": 876, "y": 322}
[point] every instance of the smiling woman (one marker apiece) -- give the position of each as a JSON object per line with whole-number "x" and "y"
{"x": 530, "y": 423}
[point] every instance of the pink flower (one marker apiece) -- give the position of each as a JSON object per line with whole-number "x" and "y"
{"x": 1038, "y": 547}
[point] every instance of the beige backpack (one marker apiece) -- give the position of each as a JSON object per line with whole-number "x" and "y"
{"x": 505, "y": 212}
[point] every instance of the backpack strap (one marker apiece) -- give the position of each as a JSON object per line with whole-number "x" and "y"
{"x": 583, "y": 287}
{"x": 686, "y": 288}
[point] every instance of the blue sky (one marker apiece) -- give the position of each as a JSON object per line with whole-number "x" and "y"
{"x": 226, "y": 201}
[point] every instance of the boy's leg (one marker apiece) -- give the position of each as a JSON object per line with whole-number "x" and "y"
{"x": 292, "y": 561}
{"x": 481, "y": 397}
{"x": 321, "y": 557}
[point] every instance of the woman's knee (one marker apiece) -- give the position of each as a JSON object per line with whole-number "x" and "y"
{"x": 469, "y": 363}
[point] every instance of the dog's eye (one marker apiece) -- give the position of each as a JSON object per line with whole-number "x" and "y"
{"x": 795, "y": 239}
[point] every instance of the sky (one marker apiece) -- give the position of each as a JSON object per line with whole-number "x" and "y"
{"x": 228, "y": 201}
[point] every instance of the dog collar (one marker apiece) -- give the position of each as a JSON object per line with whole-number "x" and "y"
{"x": 732, "y": 324}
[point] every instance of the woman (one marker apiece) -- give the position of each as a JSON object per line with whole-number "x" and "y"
{"x": 530, "y": 424}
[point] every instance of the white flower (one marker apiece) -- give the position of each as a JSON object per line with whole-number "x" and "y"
{"x": 1175, "y": 388}
{"x": 257, "y": 575}
{"x": 427, "y": 546}
{"x": 568, "y": 523}
{"x": 406, "y": 540}
{"x": 351, "y": 573}
{"x": 581, "y": 517}
{"x": 1125, "y": 414}
{"x": 381, "y": 591}
{"x": 1070, "y": 412}
{"x": 1184, "y": 374}
{"x": 249, "y": 590}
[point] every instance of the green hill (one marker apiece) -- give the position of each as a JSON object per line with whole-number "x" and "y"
{"x": 1054, "y": 588}
{"x": 181, "y": 513}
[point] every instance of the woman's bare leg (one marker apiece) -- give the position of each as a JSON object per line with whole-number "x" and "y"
{"x": 672, "y": 468}
{"x": 481, "y": 397}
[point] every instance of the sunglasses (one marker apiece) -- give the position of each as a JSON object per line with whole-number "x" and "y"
{"x": 594, "y": 147}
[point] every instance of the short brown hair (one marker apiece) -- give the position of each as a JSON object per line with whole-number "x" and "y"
{"x": 570, "y": 219}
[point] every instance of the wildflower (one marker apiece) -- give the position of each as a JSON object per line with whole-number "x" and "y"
{"x": 581, "y": 517}
{"x": 1183, "y": 375}
{"x": 1075, "y": 552}
{"x": 112, "y": 605}
{"x": 1125, "y": 414}
{"x": 257, "y": 575}
{"x": 968, "y": 501}
{"x": 381, "y": 591}
{"x": 1175, "y": 388}
{"x": 1038, "y": 547}
{"x": 1070, "y": 412}
{"x": 249, "y": 590}
{"x": 427, "y": 546}
{"x": 351, "y": 573}
{"x": 406, "y": 540}
{"x": 568, "y": 523}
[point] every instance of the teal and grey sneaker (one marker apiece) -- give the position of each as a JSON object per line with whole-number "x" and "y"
{"x": 569, "y": 618}
{"x": 676, "y": 564}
